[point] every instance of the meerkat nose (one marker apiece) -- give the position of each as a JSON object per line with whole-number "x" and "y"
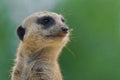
{"x": 65, "y": 30}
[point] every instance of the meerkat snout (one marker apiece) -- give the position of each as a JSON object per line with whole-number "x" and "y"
{"x": 65, "y": 30}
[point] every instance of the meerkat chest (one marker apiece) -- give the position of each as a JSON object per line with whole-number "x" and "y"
{"x": 41, "y": 70}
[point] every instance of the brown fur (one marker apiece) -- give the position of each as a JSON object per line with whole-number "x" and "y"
{"x": 37, "y": 54}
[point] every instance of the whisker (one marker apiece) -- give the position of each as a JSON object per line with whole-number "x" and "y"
{"x": 71, "y": 51}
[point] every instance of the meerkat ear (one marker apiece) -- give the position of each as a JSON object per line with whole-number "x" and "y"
{"x": 20, "y": 32}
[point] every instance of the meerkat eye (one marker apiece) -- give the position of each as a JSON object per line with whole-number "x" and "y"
{"x": 63, "y": 20}
{"x": 47, "y": 21}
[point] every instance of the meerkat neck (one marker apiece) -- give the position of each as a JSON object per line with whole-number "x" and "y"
{"x": 46, "y": 53}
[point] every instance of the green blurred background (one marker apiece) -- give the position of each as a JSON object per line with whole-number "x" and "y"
{"x": 94, "y": 50}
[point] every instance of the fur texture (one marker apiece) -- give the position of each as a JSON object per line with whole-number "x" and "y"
{"x": 39, "y": 48}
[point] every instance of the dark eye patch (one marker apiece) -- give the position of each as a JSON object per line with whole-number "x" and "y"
{"x": 47, "y": 21}
{"x": 21, "y": 32}
{"x": 62, "y": 19}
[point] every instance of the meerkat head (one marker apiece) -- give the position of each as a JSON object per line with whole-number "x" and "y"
{"x": 44, "y": 29}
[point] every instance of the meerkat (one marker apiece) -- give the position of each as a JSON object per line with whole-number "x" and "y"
{"x": 42, "y": 37}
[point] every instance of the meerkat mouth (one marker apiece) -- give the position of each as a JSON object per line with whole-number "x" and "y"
{"x": 60, "y": 34}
